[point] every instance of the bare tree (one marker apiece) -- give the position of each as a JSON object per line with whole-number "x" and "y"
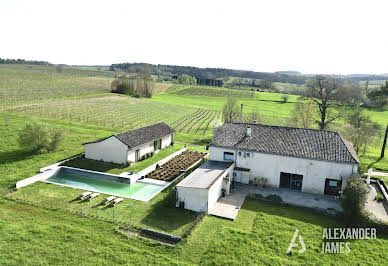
{"x": 230, "y": 111}
{"x": 323, "y": 91}
{"x": 303, "y": 114}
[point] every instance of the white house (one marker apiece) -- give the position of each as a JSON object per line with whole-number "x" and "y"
{"x": 308, "y": 160}
{"x": 130, "y": 145}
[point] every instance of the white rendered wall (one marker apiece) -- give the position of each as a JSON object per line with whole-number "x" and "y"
{"x": 215, "y": 190}
{"x": 195, "y": 199}
{"x": 108, "y": 150}
{"x": 166, "y": 141}
{"x": 269, "y": 166}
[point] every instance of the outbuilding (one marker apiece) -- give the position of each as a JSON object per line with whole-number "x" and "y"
{"x": 202, "y": 188}
{"x": 132, "y": 145}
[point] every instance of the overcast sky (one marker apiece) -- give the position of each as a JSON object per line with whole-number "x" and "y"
{"x": 310, "y": 36}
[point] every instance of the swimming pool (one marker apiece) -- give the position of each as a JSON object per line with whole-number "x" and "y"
{"x": 104, "y": 183}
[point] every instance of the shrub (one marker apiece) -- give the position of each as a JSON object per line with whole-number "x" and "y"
{"x": 285, "y": 98}
{"x": 353, "y": 200}
{"x": 379, "y": 197}
{"x": 37, "y": 138}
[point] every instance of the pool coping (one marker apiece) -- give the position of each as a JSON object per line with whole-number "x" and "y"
{"x": 100, "y": 173}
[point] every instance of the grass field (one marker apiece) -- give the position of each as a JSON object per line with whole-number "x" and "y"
{"x": 32, "y": 235}
{"x": 260, "y": 235}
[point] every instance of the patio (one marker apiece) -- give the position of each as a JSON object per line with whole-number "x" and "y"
{"x": 229, "y": 206}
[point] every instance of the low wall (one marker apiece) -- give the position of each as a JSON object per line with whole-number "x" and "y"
{"x": 151, "y": 168}
{"x": 56, "y": 165}
{"x": 39, "y": 177}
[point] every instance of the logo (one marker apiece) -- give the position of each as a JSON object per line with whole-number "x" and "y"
{"x": 293, "y": 245}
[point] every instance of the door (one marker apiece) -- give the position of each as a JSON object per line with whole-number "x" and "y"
{"x": 137, "y": 155}
{"x": 332, "y": 187}
{"x": 285, "y": 180}
{"x": 292, "y": 181}
{"x": 296, "y": 182}
{"x": 238, "y": 176}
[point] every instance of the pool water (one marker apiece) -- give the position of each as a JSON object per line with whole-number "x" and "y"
{"x": 77, "y": 179}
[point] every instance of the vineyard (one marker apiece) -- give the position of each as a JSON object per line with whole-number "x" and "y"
{"x": 122, "y": 113}
{"x": 22, "y": 85}
{"x": 211, "y": 92}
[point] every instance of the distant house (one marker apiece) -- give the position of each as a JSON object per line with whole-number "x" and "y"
{"x": 130, "y": 145}
{"x": 308, "y": 160}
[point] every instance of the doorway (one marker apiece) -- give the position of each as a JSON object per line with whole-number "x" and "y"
{"x": 292, "y": 181}
{"x": 333, "y": 187}
{"x": 157, "y": 144}
{"x": 137, "y": 155}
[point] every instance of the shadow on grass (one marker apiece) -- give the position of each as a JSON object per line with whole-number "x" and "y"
{"x": 88, "y": 164}
{"x": 166, "y": 217}
{"x": 15, "y": 156}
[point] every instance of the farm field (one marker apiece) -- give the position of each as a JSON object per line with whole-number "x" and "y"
{"x": 21, "y": 83}
{"x": 260, "y": 235}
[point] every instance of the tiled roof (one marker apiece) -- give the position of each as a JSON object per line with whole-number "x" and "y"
{"x": 297, "y": 142}
{"x": 139, "y": 136}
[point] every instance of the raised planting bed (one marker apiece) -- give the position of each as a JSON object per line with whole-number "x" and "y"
{"x": 175, "y": 166}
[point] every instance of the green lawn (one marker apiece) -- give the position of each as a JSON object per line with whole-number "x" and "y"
{"x": 159, "y": 213}
{"x": 260, "y": 235}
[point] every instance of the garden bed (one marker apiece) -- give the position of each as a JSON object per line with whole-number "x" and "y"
{"x": 174, "y": 167}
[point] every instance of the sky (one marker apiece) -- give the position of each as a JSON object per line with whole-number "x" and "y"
{"x": 327, "y": 37}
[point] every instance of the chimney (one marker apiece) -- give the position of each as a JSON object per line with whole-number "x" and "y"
{"x": 249, "y": 131}
{"x": 241, "y": 113}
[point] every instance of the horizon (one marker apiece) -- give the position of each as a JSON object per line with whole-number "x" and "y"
{"x": 262, "y": 37}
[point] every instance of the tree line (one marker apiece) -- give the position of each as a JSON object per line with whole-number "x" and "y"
{"x": 137, "y": 85}
{"x": 325, "y": 100}
{"x": 208, "y": 73}
{"x": 23, "y": 62}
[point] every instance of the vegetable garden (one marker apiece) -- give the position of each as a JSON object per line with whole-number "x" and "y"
{"x": 173, "y": 168}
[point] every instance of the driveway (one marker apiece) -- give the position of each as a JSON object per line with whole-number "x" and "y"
{"x": 374, "y": 207}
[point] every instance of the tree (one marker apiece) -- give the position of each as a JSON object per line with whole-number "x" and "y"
{"x": 384, "y": 143}
{"x": 303, "y": 114}
{"x": 186, "y": 79}
{"x": 350, "y": 93}
{"x": 230, "y": 111}
{"x": 360, "y": 130}
{"x": 323, "y": 91}
{"x": 60, "y": 68}
{"x": 380, "y": 96}
{"x": 353, "y": 199}
{"x": 37, "y": 138}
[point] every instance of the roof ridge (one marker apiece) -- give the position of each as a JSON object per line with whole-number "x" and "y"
{"x": 253, "y": 124}
{"x": 138, "y": 128}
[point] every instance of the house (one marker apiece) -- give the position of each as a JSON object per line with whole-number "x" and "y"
{"x": 308, "y": 160}
{"x": 130, "y": 145}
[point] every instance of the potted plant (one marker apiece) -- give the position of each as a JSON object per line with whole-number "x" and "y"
{"x": 264, "y": 182}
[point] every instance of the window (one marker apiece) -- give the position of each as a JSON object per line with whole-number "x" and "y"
{"x": 293, "y": 181}
{"x": 249, "y": 154}
{"x": 228, "y": 156}
{"x": 239, "y": 153}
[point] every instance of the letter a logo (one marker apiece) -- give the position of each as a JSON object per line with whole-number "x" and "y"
{"x": 292, "y": 243}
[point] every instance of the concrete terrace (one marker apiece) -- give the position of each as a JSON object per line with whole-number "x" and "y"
{"x": 229, "y": 206}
